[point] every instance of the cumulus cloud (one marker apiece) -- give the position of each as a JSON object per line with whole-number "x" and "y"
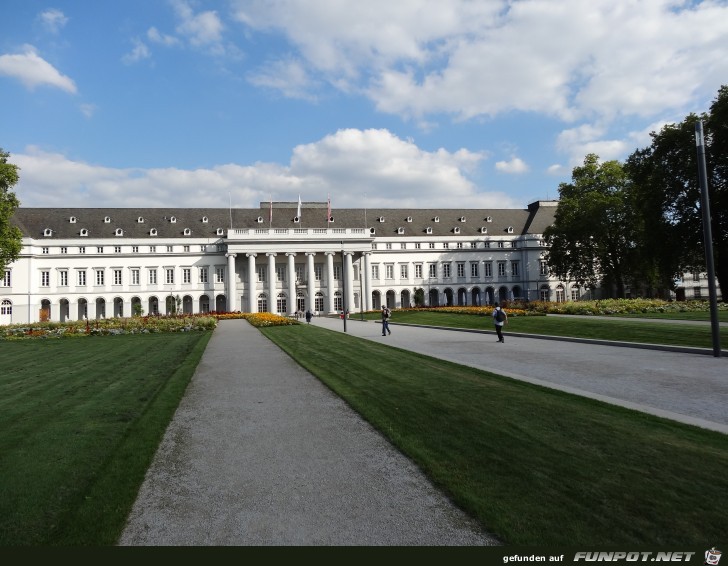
{"x": 33, "y": 71}
{"x": 203, "y": 28}
{"x": 514, "y": 166}
{"x": 53, "y": 20}
{"x": 154, "y": 35}
{"x": 139, "y": 52}
{"x": 348, "y": 164}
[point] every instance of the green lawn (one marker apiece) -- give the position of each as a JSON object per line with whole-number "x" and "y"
{"x": 533, "y": 465}
{"x": 619, "y": 328}
{"x": 80, "y": 420}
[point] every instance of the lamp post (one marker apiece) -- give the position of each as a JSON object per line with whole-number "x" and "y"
{"x": 343, "y": 285}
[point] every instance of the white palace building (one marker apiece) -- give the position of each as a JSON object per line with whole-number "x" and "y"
{"x": 90, "y": 263}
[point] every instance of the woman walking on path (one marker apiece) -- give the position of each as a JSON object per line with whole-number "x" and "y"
{"x": 499, "y": 318}
{"x": 385, "y": 320}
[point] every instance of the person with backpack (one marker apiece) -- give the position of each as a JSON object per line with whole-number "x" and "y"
{"x": 386, "y": 313}
{"x": 499, "y": 318}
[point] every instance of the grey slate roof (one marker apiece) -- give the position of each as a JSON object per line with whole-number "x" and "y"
{"x": 172, "y": 222}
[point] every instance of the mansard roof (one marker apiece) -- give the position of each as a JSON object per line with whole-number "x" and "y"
{"x": 69, "y": 223}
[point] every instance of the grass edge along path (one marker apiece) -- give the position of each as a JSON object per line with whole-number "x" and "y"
{"x": 533, "y": 465}
{"x": 83, "y": 420}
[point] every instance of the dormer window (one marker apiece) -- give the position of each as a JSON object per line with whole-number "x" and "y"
{"x": 489, "y": 219}
{"x": 107, "y": 219}
{"x": 462, "y": 219}
{"x": 187, "y": 232}
{"x": 83, "y": 232}
{"x": 204, "y": 219}
{"x": 173, "y": 219}
{"x": 47, "y": 232}
{"x": 400, "y": 230}
{"x": 72, "y": 220}
{"x": 510, "y": 229}
{"x": 428, "y": 230}
{"x": 409, "y": 219}
{"x": 140, "y": 220}
{"x": 436, "y": 219}
{"x": 260, "y": 220}
{"x": 119, "y": 232}
{"x": 380, "y": 219}
{"x": 220, "y": 232}
{"x": 296, "y": 219}
{"x": 153, "y": 232}
{"x": 483, "y": 230}
{"x": 456, "y": 230}
{"x": 372, "y": 231}
{"x": 331, "y": 218}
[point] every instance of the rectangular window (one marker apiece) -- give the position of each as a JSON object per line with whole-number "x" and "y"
{"x": 696, "y": 276}
{"x": 280, "y": 272}
{"x": 575, "y": 293}
{"x": 186, "y": 275}
{"x": 474, "y": 269}
{"x": 81, "y": 278}
{"x": 418, "y": 246}
{"x": 152, "y": 276}
{"x": 117, "y": 249}
{"x": 501, "y": 244}
{"x": 220, "y": 274}
{"x": 388, "y": 245}
{"x": 45, "y": 250}
{"x": 403, "y": 246}
{"x": 45, "y": 278}
{"x": 135, "y": 277}
{"x": 375, "y": 272}
{"x": 100, "y": 249}
{"x": 403, "y": 271}
{"x": 169, "y": 249}
{"x": 501, "y": 268}
{"x": 99, "y": 277}
{"x": 337, "y": 273}
{"x": 152, "y": 249}
{"x": 543, "y": 268}
{"x": 186, "y": 249}
{"x": 318, "y": 272}
{"x": 515, "y": 268}
{"x": 82, "y": 249}
{"x": 64, "y": 250}
{"x": 6, "y": 279}
{"x": 459, "y": 245}
{"x": 389, "y": 271}
{"x": 203, "y": 275}
{"x": 446, "y": 270}
{"x": 445, "y": 245}
{"x": 432, "y": 245}
{"x": 169, "y": 276}
{"x": 697, "y": 292}
{"x": 461, "y": 270}
{"x": 418, "y": 271}
{"x": 488, "y": 269}
{"x": 203, "y": 248}
{"x": 261, "y": 273}
{"x": 117, "y": 276}
{"x": 135, "y": 249}
{"x": 486, "y": 244}
{"x": 433, "y": 271}
{"x": 299, "y": 273}
{"x": 63, "y": 278}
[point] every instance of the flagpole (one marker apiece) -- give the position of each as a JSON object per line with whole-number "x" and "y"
{"x": 231, "y": 210}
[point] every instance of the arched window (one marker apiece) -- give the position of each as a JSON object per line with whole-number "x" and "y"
{"x": 281, "y": 303}
{"x": 262, "y": 303}
{"x": 338, "y": 301}
{"x": 319, "y": 302}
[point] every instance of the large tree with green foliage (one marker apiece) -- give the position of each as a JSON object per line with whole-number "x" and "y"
{"x": 592, "y": 239}
{"x": 666, "y": 195}
{"x": 10, "y": 236}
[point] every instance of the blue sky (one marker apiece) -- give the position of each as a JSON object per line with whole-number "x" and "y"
{"x": 411, "y": 103}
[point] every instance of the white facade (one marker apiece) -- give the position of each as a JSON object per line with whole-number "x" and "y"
{"x": 94, "y": 263}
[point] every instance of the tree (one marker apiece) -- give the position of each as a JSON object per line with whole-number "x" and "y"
{"x": 419, "y": 297}
{"x": 592, "y": 241}
{"x": 10, "y": 236}
{"x": 666, "y": 194}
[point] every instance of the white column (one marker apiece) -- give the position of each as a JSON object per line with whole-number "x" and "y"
{"x": 367, "y": 293}
{"x": 271, "y": 282}
{"x": 231, "y": 291}
{"x": 252, "y": 276}
{"x": 349, "y": 278}
{"x": 311, "y": 279}
{"x": 291, "y": 283}
{"x": 330, "y": 282}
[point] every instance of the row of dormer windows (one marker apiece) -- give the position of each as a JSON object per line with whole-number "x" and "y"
{"x": 437, "y": 219}
{"x": 48, "y": 232}
{"x": 140, "y": 219}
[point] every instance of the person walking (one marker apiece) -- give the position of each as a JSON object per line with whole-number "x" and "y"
{"x": 309, "y": 316}
{"x": 499, "y": 319}
{"x": 386, "y": 313}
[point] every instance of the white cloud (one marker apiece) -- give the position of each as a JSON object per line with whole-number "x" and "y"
{"x": 32, "y": 70}
{"x": 204, "y": 28}
{"x": 289, "y": 77}
{"x": 88, "y": 110}
{"x": 53, "y": 20}
{"x": 139, "y": 52}
{"x": 347, "y": 165}
{"x": 154, "y": 35}
{"x": 515, "y": 166}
